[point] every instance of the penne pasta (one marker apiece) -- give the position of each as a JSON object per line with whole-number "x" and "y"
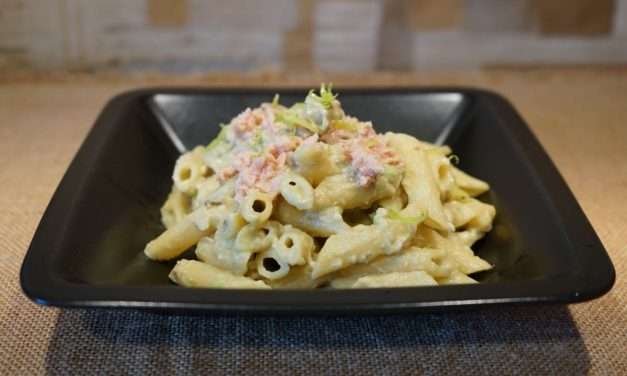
{"x": 299, "y": 277}
{"x": 306, "y": 196}
{"x": 325, "y": 222}
{"x": 184, "y": 234}
{"x": 396, "y": 279}
{"x": 190, "y": 273}
{"x": 256, "y": 207}
{"x": 408, "y": 260}
{"x": 361, "y": 244}
{"x": 175, "y": 208}
{"x": 473, "y": 186}
{"x": 471, "y": 214}
{"x": 339, "y": 190}
{"x": 190, "y": 170}
{"x": 422, "y": 190}
{"x": 297, "y": 191}
{"x": 314, "y": 162}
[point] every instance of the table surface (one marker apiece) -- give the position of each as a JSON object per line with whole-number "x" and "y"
{"x": 579, "y": 116}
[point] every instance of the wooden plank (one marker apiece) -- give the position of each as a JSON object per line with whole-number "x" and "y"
{"x": 167, "y": 13}
{"x": 576, "y": 17}
{"x": 620, "y": 18}
{"x": 297, "y": 45}
{"x": 496, "y": 16}
{"x": 434, "y": 14}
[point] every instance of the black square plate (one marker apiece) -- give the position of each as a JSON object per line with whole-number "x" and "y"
{"x": 87, "y": 251}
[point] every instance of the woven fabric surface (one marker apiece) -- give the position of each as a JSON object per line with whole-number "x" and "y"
{"x": 579, "y": 117}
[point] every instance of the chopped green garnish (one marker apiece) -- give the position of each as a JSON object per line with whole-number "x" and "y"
{"x": 219, "y": 138}
{"x": 326, "y": 96}
{"x": 371, "y": 142}
{"x": 256, "y": 142}
{"x": 391, "y": 173}
{"x": 345, "y": 125}
{"x": 291, "y": 118}
{"x": 410, "y": 220}
{"x": 275, "y": 100}
{"x": 298, "y": 107}
{"x": 458, "y": 194}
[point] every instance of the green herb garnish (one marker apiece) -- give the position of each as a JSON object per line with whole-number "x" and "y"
{"x": 219, "y": 138}
{"x": 291, "y": 118}
{"x": 256, "y": 142}
{"x": 326, "y": 96}
{"x": 345, "y": 125}
{"x": 410, "y": 220}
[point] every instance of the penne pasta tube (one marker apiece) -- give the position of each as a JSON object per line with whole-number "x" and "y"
{"x": 361, "y": 244}
{"x": 340, "y": 190}
{"x": 252, "y": 238}
{"x": 294, "y": 246}
{"x": 214, "y": 252}
{"x": 470, "y": 184}
{"x": 325, "y": 222}
{"x": 471, "y": 213}
{"x": 191, "y": 273}
{"x": 306, "y": 196}
{"x": 176, "y": 207}
{"x": 271, "y": 266}
{"x": 408, "y": 260}
{"x": 395, "y": 202}
{"x": 422, "y": 189}
{"x": 396, "y": 279}
{"x": 297, "y": 191}
{"x": 256, "y": 207}
{"x": 456, "y": 278}
{"x": 458, "y": 255}
{"x": 314, "y": 162}
{"x": 441, "y": 170}
{"x": 190, "y": 171}
{"x": 205, "y": 192}
{"x": 467, "y": 237}
{"x": 299, "y": 277}
{"x": 184, "y": 234}
{"x": 220, "y": 251}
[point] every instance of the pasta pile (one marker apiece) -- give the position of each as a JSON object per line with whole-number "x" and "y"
{"x": 306, "y": 196}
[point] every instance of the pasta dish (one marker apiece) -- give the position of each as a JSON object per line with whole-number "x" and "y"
{"x": 307, "y": 196}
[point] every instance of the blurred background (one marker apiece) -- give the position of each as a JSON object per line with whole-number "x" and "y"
{"x": 187, "y": 36}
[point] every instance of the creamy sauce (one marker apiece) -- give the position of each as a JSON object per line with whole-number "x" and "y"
{"x": 261, "y": 141}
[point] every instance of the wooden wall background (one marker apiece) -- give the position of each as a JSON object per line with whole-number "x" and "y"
{"x": 329, "y": 35}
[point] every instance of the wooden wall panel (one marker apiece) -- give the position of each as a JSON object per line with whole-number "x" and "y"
{"x": 434, "y": 14}
{"x": 169, "y": 13}
{"x": 575, "y": 17}
{"x": 303, "y": 35}
{"x": 497, "y": 16}
{"x": 298, "y": 42}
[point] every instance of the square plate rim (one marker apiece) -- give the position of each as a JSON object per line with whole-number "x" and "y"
{"x": 44, "y": 288}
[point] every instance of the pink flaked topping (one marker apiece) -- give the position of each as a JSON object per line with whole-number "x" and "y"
{"x": 368, "y": 156}
{"x": 335, "y": 136}
{"x": 245, "y": 124}
{"x": 255, "y": 168}
{"x": 258, "y": 172}
{"x": 283, "y": 144}
{"x": 366, "y": 166}
{"x": 311, "y": 139}
{"x": 226, "y": 173}
{"x": 262, "y": 149}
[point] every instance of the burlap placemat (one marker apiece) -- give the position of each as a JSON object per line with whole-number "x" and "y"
{"x": 579, "y": 117}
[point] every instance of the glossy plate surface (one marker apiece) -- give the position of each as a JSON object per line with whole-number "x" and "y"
{"x": 87, "y": 251}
